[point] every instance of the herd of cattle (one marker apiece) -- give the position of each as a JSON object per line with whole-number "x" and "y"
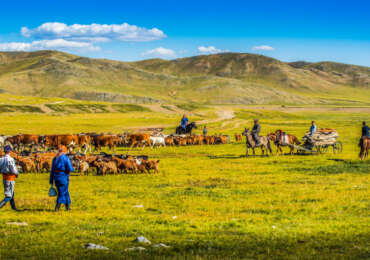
{"x": 86, "y": 141}
{"x": 34, "y": 153}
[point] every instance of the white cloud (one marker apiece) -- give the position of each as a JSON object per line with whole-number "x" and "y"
{"x": 160, "y": 52}
{"x": 56, "y": 44}
{"x": 263, "y": 48}
{"x": 209, "y": 49}
{"x": 94, "y": 32}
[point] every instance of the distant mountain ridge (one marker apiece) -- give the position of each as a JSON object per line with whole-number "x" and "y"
{"x": 225, "y": 78}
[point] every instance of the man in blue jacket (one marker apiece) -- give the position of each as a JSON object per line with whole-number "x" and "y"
{"x": 184, "y": 122}
{"x": 60, "y": 169}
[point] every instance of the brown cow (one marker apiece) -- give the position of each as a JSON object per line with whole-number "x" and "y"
{"x": 221, "y": 139}
{"x": 210, "y": 140}
{"x": 53, "y": 141}
{"x": 198, "y": 139}
{"x": 104, "y": 140}
{"x": 169, "y": 141}
{"x": 134, "y": 139}
{"x": 84, "y": 141}
{"x": 23, "y": 140}
{"x": 238, "y": 137}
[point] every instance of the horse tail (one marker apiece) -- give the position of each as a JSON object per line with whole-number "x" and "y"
{"x": 297, "y": 142}
{"x": 269, "y": 145}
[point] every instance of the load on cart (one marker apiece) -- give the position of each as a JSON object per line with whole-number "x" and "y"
{"x": 321, "y": 140}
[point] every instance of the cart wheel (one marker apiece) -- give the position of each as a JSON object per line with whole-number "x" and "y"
{"x": 339, "y": 147}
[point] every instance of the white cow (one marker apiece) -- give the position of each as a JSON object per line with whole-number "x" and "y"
{"x": 157, "y": 141}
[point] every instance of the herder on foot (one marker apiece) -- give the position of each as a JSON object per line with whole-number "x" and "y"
{"x": 60, "y": 169}
{"x": 10, "y": 172}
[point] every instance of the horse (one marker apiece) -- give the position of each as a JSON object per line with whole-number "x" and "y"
{"x": 187, "y": 130}
{"x": 289, "y": 141}
{"x": 365, "y": 147}
{"x": 251, "y": 143}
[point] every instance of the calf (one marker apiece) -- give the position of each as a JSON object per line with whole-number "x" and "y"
{"x": 150, "y": 165}
{"x": 27, "y": 164}
{"x": 125, "y": 165}
{"x": 104, "y": 168}
{"x": 83, "y": 167}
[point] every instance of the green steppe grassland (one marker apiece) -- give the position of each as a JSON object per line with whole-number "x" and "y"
{"x": 207, "y": 202}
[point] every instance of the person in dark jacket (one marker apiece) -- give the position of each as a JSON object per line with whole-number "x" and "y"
{"x": 205, "y": 131}
{"x": 364, "y": 133}
{"x": 59, "y": 175}
{"x": 365, "y": 130}
{"x": 256, "y": 131}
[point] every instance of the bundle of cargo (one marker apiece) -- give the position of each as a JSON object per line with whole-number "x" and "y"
{"x": 324, "y": 136}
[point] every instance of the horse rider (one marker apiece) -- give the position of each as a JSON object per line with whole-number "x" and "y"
{"x": 255, "y": 132}
{"x": 365, "y": 133}
{"x": 205, "y": 131}
{"x": 9, "y": 170}
{"x": 313, "y": 128}
{"x": 184, "y": 122}
{"x": 59, "y": 175}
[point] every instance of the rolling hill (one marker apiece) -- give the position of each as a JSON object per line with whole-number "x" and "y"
{"x": 227, "y": 78}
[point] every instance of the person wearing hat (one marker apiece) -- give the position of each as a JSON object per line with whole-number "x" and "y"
{"x": 9, "y": 170}
{"x": 59, "y": 175}
{"x": 256, "y": 131}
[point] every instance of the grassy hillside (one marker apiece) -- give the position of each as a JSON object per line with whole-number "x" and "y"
{"x": 228, "y": 78}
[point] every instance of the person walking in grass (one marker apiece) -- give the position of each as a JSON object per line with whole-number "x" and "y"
{"x": 205, "y": 130}
{"x": 59, "y": 175}
{"x": 10, "y": 172}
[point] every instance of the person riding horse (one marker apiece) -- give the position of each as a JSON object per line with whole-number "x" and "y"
{"x": 185, "y": 127}
{"x": 255, "y": 132}
{"x": 365, "y": 133}
{"x": 184, "y": 122}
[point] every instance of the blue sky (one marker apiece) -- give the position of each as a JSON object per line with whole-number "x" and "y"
{"x": 133, "y": 30}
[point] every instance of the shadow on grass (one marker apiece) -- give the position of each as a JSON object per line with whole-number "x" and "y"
{"x": 36, "y": 210}
{"x": 225, "y": 156}
{"x": 340, "y": 167}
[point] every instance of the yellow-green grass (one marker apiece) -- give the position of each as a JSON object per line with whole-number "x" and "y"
{"x": 226, "y": 205}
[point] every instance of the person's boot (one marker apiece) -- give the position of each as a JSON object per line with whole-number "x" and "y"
{"x": 2, "y": 203}
{"x": 57, "y": 207}
{"x": 12, "y": 204}
{"x": 68, "y": 207}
